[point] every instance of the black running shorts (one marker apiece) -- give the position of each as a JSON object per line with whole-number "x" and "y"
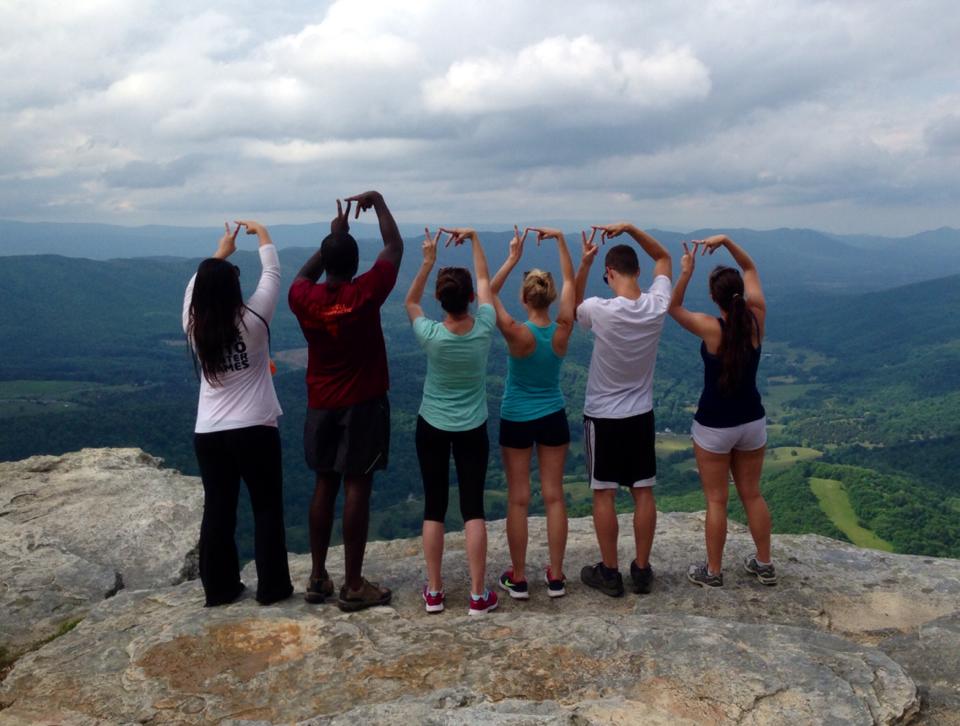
{"x": 620, "y": 451}
{"x": 353, "y": 441}
{"x": 549, "y": 430}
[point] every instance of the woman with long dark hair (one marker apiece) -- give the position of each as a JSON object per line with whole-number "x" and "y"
{"x": 236, "y": 435}
{"x": 730, "y": 427}
{"x": 453, "y": 413}
{"x": 532, "y": 412}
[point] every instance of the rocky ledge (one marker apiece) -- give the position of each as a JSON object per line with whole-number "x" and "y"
{"x": 849, "y": 636}
{"x": 78, "y": 528}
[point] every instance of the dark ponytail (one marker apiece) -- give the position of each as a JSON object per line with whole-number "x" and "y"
{"x": 736, "y": 345}
{"x": 454, "y": 289}
{"x": 215, "y": 313}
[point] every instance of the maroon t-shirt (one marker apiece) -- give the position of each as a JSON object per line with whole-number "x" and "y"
{"x": 347, "y": 357}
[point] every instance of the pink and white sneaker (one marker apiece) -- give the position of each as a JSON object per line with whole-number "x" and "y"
{"x": 484, "y": 605}
{"x": 433, "y": 601}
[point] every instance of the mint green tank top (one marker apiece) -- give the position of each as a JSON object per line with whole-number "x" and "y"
{"x": 532, "y": 389}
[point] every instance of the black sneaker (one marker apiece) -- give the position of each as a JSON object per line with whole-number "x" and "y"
{"x": 765, "y": 573}
{"x": 517, "y": 590}
{"x": 555, "y": 587}
{"x": 319, "y": 589}
{"x": 592, "y": 576}
{"x": 700, "y": 575}
{"x": 642, "y": 578}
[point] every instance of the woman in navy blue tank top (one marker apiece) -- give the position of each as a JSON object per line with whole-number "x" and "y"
{"x": 729, "y": 428}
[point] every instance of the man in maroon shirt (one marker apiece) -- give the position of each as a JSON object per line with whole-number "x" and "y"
{"x": 347, "y": 431}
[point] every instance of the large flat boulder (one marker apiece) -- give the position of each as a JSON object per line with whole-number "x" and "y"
{"x": 78, "y": 528}
{"x": 162, "y": 658}
{"x": 805, "y": 651}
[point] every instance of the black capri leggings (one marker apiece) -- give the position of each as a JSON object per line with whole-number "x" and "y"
{"x": 471, "y": 450}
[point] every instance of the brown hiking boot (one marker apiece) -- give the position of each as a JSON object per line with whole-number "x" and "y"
{"x": 369, "y": 595}
{"x": 319, "y": 589}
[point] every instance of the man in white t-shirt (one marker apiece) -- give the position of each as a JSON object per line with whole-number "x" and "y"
{"x": 618, "y": 411}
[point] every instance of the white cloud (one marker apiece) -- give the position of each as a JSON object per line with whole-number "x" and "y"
{"x": 826, "y": 113}
{"x": 577, "y": 71}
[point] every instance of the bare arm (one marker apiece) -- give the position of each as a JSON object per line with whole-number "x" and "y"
{"x": 457, "y": 236}
{"x": 699, "y": 324}
{"x": 415, "y": 293}
{"x": 313, "y": 267}
{"x": 392, "y": 241}
{"x": 587, "y": 256}
{"x": 568, "y": 293}
{"x": 662, "y": 262}
{"x": 753, "y": 290}
{"x": 516, "y": 252}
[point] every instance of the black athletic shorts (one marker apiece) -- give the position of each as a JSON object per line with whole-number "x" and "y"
{"x": 352, "y": 441}
{"x": 549, "y": 430}
{"x": 620, "y": 451}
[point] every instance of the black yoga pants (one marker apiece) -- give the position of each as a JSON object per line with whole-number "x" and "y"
{"x": 226, "y": 457}
{"x": 471, "y": 450}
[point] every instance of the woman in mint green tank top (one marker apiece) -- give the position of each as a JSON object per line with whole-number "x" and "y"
{"x": 532, "y": 412}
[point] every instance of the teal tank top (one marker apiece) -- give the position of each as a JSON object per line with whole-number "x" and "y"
{"x": 533, "y": 383}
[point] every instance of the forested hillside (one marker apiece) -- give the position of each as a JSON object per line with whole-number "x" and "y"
{"x": 861, "y": 389}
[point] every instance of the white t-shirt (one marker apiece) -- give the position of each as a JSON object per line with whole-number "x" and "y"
{"x": 627, "y": 332}
{"x": 245, "y": 396}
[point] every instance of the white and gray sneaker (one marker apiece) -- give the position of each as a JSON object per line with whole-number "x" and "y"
{"x": 698, "y": 574}
{"x": 765, "y": 573}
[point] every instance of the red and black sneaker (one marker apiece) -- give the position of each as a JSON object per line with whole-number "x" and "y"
{"x": 484, "y": 605}
{"x": 518, "y": 589}
{"x": 555, "y": 587}
{"x": 433, "y": 601}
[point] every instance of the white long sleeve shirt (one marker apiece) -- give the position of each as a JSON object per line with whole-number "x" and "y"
{"x": 245, "y": 396}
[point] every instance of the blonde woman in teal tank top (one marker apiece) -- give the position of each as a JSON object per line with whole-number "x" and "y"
{"x": 532, "y": 412}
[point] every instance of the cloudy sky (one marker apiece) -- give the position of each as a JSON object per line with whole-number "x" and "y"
{"x": 843, "y": 116}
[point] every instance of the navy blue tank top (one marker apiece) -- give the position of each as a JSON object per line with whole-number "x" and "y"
{"x": 721, "y": 410}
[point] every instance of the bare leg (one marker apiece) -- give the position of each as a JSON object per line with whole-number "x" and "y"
{"x": 551, "y": 460}
{"x": 356, "y": 523}
{"x": 476, "y": 533}
{"x": 322, "y": 508}
{"x": 644, "y": 523}
{"x": 747, "y": 467}
{"x": 516, "y": 464}
{"x": 715, "y": 478}
{"x": 606, "y": 525}
{"x": 433, "y": 553}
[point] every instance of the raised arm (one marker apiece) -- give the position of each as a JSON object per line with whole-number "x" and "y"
{"x": 516, "y": 252}
{"x": 313, "y": 267}
{"x": 662, "y": 262}
{"x": 415, "y": 293}
{"x": 392, "y": 241}
{"x": 699, "y": 324}
{"x": 263, "y": 301}
{"x": 458, "y": 235}
{"x": 752, "y": 289}
{"x": 588, "y": 254}
{"x": 225, "y": 247}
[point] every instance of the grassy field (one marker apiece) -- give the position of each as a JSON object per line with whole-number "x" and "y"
{"x": 783, "y": 457}
{"x": 25, "y": 397}
{"x": 836, "y": 505}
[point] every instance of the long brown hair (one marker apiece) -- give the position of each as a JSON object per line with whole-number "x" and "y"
{"x": 216, "y": 310}
{"x": 736, "y": 343}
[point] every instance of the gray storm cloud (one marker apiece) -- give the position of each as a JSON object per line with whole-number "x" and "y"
{"x": 841, "y": 115}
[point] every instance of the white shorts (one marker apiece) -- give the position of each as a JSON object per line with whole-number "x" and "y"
{"x": 745, "y": 437}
